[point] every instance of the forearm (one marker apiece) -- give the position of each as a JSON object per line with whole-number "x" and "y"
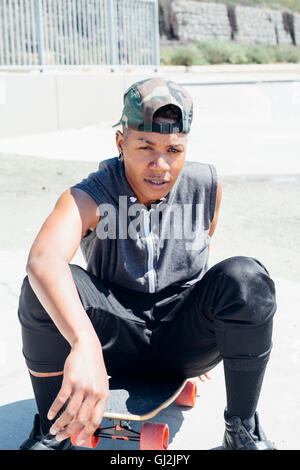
{"x": 51, "y": 279}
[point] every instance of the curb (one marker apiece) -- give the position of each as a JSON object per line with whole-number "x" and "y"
{"x": 235, "y": 68}
{"x": 141, "y": 69}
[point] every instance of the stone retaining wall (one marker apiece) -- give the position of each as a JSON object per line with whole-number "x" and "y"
{"x": 196, "y": 21}
{"x": 189, "y": 20}
{"x": 297, "y": 28}
{"x": 258, "y": 26}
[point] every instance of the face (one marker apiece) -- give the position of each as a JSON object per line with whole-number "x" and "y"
{"x": 152, "y": 161}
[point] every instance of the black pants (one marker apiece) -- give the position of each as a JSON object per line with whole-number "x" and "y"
{"x": 227, "y": 315}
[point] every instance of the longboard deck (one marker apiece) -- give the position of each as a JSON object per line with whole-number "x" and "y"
{"x": 139, "y": 400}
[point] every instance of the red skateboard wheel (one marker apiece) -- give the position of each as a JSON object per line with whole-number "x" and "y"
{"x": 154, "y": 436}
{"x": 187, "y": 397}
{"x": 90, "y": 443}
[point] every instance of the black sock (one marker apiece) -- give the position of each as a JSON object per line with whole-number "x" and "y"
{"x": 243, "y": 390}
{"x": 45, "y": 390}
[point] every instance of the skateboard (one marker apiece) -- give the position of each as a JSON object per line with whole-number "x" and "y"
{"x": 140, "y": 400}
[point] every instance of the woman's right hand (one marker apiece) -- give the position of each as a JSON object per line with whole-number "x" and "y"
{"x": 85, "y": 385}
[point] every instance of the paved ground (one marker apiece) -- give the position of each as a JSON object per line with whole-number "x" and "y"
{"x": 259, "y": 217}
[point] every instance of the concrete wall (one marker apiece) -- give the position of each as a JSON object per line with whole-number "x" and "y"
{"x": 32, "y": 103}
{"x": 35, "y": 103}
{"x": 197, "y": 21}
{"x": 27, "y": 99}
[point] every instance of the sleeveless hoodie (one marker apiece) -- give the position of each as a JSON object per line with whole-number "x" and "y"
{"x": 149, "y": 250}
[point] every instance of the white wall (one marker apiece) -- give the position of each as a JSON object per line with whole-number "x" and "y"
{"x": 34, "y": 102}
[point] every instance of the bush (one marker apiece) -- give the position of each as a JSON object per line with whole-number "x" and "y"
{"x": 183, "y": 55}
{"x": 166, "y": 56}
{"x": 238, "y": 57}
{"x": 231, "y": 52}
{"x": 261, "y": 55}
{"x": 222, "y": 52}
{"x": 212, "y": 51}
{"x": 286, "y": 53}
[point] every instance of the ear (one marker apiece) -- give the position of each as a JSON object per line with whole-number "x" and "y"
{"x": 119, "y": 141}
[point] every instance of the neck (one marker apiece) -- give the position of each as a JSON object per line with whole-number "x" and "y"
{"x": 148, "y": 203}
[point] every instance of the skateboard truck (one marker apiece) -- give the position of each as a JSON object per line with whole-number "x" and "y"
{"x": 120, "y": 430}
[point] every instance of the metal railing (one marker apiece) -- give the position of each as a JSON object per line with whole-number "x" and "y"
{"x": 85, "y": 33}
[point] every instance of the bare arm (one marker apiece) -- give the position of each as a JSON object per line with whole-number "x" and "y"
{"x": 85, "y": 380}
{"x": 48, "y": 262}
{"x": 216, "y": 214}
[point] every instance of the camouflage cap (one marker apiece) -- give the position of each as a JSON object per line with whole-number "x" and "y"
{"x": 144, "y": 98}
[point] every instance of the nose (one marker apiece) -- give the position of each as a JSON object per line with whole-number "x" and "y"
{"x": 159, "y": 162}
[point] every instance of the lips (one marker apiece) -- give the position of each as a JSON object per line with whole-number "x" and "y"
{"x": 157, "y": 181}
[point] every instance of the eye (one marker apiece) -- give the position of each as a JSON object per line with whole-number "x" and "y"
{"x": 173, "y": 150}
{"x": 146, "y": 148}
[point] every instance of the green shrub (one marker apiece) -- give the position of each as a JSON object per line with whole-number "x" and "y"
{"x": 222, "y": 52}
{"x": 215, "y": 52}
{"x": 230, "y": 52}
{"x": 183, "y": 55}
{"x": 238, "y": 57}
{"x": 166, "y": 56}
{"x": 260, "y": 55}
{"x": 287, "y": 53}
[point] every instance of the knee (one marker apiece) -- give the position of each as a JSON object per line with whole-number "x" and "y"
{"x": 245, "y": 272}
{"x": 241, "y": 268}
{"x": 249, "y": 282}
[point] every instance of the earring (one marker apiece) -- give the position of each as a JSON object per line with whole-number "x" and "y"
{"x": 120, "y": 156}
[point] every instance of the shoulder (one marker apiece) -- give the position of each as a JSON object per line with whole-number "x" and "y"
{"x": 98, "y": 183}
{"x": 199, "y": 184}
{"x": 198, "y": 176}
{"x": 108, "y": 164}
{"x": 106, "y": 169}
{"x": 198, "y": 171}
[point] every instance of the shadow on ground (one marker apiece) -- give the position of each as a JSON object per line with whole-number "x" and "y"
{"x": 17, "y": 418}
{"x": 16, "y": 423}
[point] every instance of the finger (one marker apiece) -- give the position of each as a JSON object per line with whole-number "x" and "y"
{"x": 81, "y": 419}
{"x": 69, "y": 430}
{"x": 68, "y": 414}
{"x": 59, "y": 401}
{"x": 93, "y": 422}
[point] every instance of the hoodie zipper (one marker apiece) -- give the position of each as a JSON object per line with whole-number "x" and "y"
{"x": 150, "y": 245}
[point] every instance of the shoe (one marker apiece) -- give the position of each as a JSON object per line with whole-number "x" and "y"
{"x": 237, "y": 437}
{"x": 37, "y": 441}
